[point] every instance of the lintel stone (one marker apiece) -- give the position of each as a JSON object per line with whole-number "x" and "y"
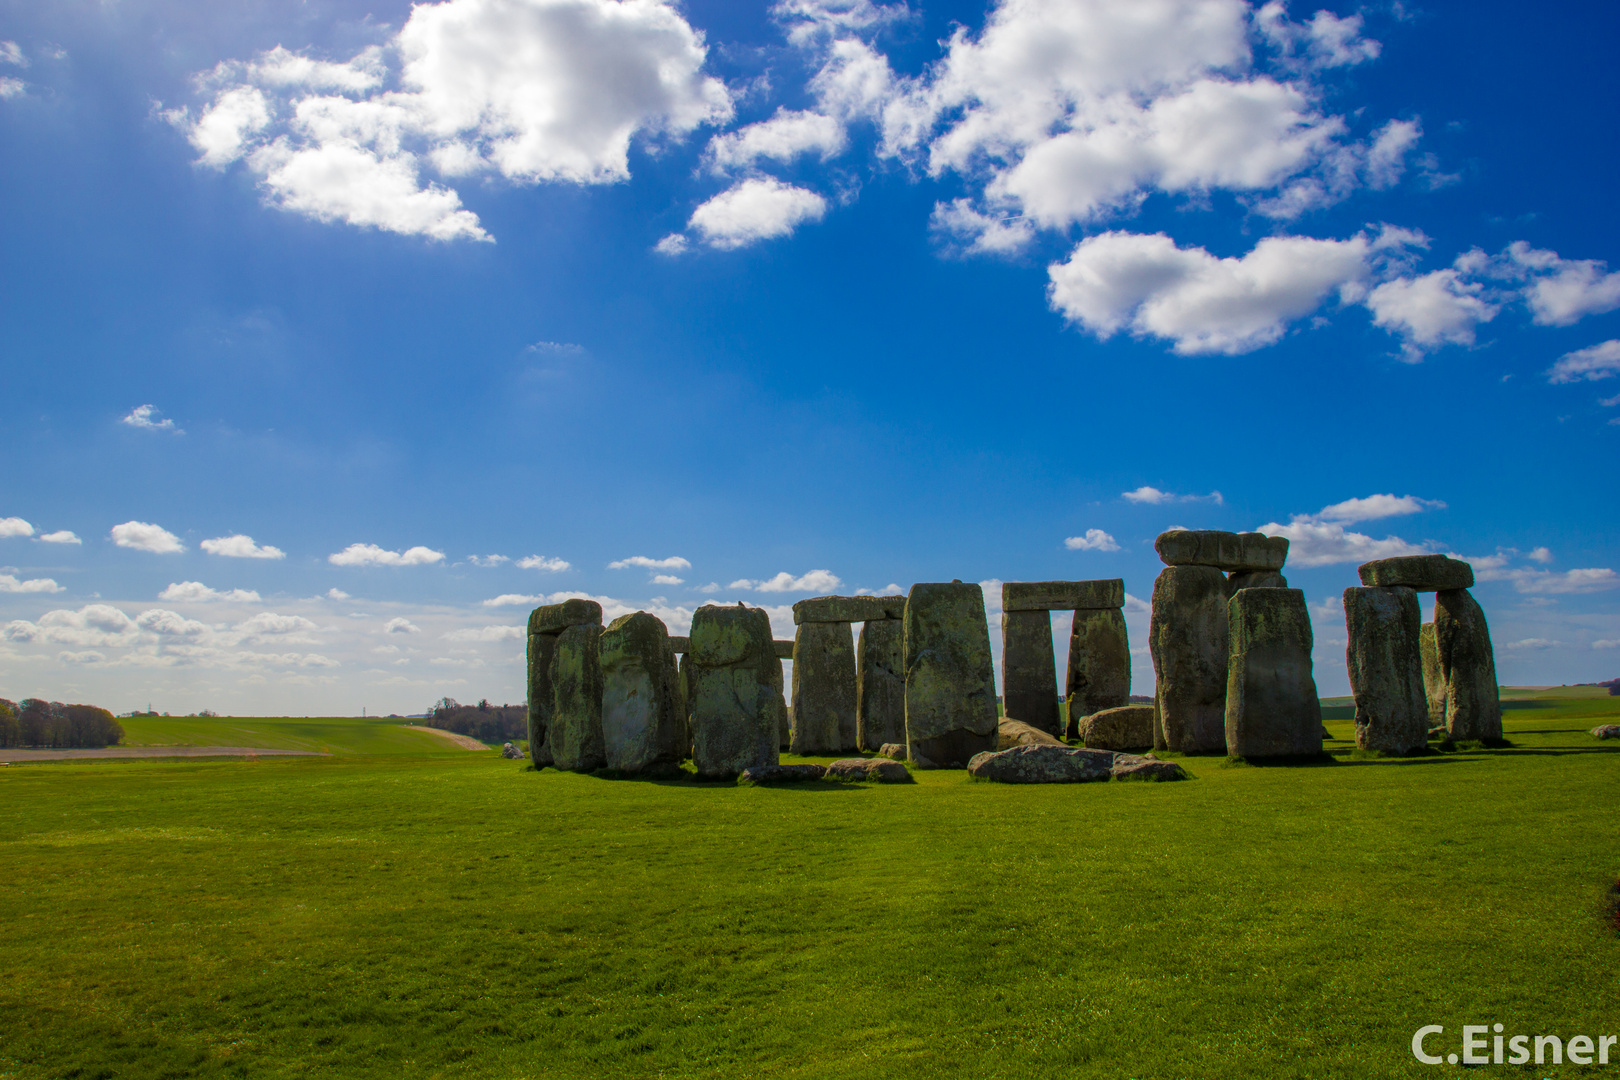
{"x": 1420, "y": 573}
{"x": 1228, "y": 551}
{"x": 679, "y": 645}
{"x": 555, "y": 618}
{"x": 1063, "y": 595}
{"x": 851, "y": 609}
{"x": 784, "y": 649}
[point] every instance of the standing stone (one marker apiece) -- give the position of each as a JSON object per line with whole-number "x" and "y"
{"x": 824, "y": 688}
{"x": 576, "y": 699}
{"x": 737, "y": 701}
{"x": 1028, "y": 670}
{"x": 1187, "y": 637}
{"x": 1386, "y": 668}
{"x": 540, "y": 650}
{"x": 1099, "y": 664}
{"x": 643, "y": 730}
{"x": 950, "y": 676}
{"x": 1271, "y": 705}
{"x": 1434, "y": 680}
{"x": 880, "y": 684}
{"x": 1468, "y": 664}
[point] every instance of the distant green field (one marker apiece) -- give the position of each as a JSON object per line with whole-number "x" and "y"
{"x": 453, "y": 915}
{"x": 328, "y": 735}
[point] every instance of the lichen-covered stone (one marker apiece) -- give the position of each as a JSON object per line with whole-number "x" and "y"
{"x": 950, "y": 677}
{"x": 879, "y": 770}
{"x": 781, "y": 774}
{"x": 893, "y": 751}
{"x": 1434, "y": 680}
{"x": 1011, "y": 733}
{"x": 736, "y": 690}
{"x": 1043, "y": 765}
{"x": 1099, "y": 675}
{"x": 1385, "y": 660}
{"x": 1150, "y": 769}
{"x": 643, "y": 726}
{"x": 1062, "y": 595}
{"x": 849, "y": 609}
{"x": 1468, "y": 664}
{"x": 1187, "y": 638}
{"x": 880, "y": 684}
{"x": 824, "y": 689}
{"x": 1423, "y": 573}
{"x": 541, "y": 647}
{"x": 1028, "y": 669}
{"x": 679, "y": 644}
{"x": 576, "y": 700}
{"x": 784, "y": 648}
{"x": 1238, "y": 552}
{"x": 1271, "y": 705}
{"x": 1128, "y": 727}
{"x": 1606, "y": 731}
{"x": 555, "y": 618}
{"x": 1259, "y": 579}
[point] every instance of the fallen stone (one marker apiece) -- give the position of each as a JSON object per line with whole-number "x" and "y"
{"x": 576, "y": 700}
{"x": 541, "y": 648}
{"x": 510, "y": 750}
{"x": 1606, "y": 731}
{"x": 1260, "y": 579}
{"x": 1062, "y": 595}
{"x": 1187, "y": 638}
{"x": 1238, "y": 552}
{"x": 736, "y": 685}
{"x": 950, "y": 678}
{"x": 1099, "y": 675}
{"x": 1028, "y": 670}
{"x": 1043, "y": 765}
{"x": 1385, "y": 660}
{"x": 1149, "y": 769}
{"x": 1422, "y": 573}
{"x": 1128, "y": 727}
{"x": 643, "y": 719}
{"x": 848, "y": 609}
{"x": 824, "y": 689}
{"x": 1468, "y": 664}
{"x": 893, "y": 751}
{"x": 1010, "y": 733}
{"x": 880, "y": 685}
{"x": 781, "y": 774}
{"x": 784, "y": 649}
{"x": 555, "y": 618}
{"x": 880, "y": 770}
{"x": 1271, "y": 705}
{"x": 1434, "y": 680}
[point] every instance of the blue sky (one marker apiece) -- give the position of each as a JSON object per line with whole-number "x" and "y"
{"x": 305, "y": 306}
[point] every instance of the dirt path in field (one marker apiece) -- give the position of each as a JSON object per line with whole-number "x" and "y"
{"x": 152, "y": 751}
{"x": 466, "y": 742}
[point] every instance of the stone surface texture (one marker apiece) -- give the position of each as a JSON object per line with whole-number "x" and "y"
{"x": 555, "y": 618}
{"x": 1010, "y": 733}
{"x": 643, "y": 714}
{"x": 1062, "y": 595}
{"x": 1127, "y": 767}
{"x": 1606, "y": 731}
{"x": 541, "y": 648}
{"x": 880, "y": 770}
{"x": 1043, "y": 765}
{"x": 1187, "y": 637}
{"x": 950, "y": 677}
{"x": 1271, "y": 705}
{"x": 824, "y": 689}
{"x": 679, "y": 644}
{"x": 1128, "y": 727}
{"x": 1434, "y": 680}
{"x": 1099, "y": 670}
{"x": 781, "y": 774}
{"x": 784, "y": 649}
{"x": 576, "y": 700}
{"x": 1385, "y": 659}
{"x": 1468, "y": 664}
{"x": 849, "y": 609}
{"x": 1424, "y": 573}
{"x": 880, "y": 684}
{"x": 736, "y": 688}
{"x": 1237, "y": 552}
{"x": 1028, "y": 670}
{"x": 1259, "y": 579}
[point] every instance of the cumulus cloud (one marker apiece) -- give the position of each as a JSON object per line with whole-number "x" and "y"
{"x": 486, "y": 633}
{"x": 815, "y": 581}
{"x": 542, "y": 562}
{"x": 195, "y": 592}
{"x": 487, "y": 560}
{"x": 1560, "y": 292}
{"x": 530, "y": 91}
{"x": 1591, "y": 363}
{"x": 142, "y": 417}
{"x": 144, "y": 536}
{"x": 1606, "y": 643}
{"x": 239, "y": 546}
{"x": 336, "y": 594}
{"x": 1094, "y": 540}
{"x": 372, "y": 555}
{"x": 1325, "y": 41}
{"x": 759, "y": 208}
{"x": 170, "y": 623}
{"x": 785, "y": 136}
{"x": 667, "y": 579}
{"x": 1372, "y": 508}
{"x": 401, "y": 626}
{"x": 513, "y": 600}
{"x": 14, "y": 526}
{"x": 891, "y": 589}
{"x": 10, "y": 88}
{"x": 1438, "y": 308}
{"x": 674, "y": 562}
{"x": 1315, "y": 544}
{"x": 1152, "y": 496}
{"x": 1584, "y": 580}
{"x": 10, "y": 584}
{"x": 11, "y": 53}
{"x": 61, "y": 536}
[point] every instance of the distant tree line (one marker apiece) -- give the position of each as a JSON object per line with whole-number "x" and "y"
{"x": 36, "y": 722}
{"x": 484, "y": 722}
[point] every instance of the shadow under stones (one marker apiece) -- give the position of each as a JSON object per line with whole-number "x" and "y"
{"x": 1301, "y": 761}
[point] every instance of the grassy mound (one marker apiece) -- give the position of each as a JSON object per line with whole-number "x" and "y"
{"x": 327, "y": 735}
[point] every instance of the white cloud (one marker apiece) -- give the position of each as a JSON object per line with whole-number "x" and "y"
{"x": 667, "y": 579}
{"x": 1094, "y": 540}
{"x": 1372, "y": 508}
{"x": 1325, "y": 41}
{"x": 61, "y": 536}
{"x": 1607, "y": 403}
{"x": 513, "y": 600}
{"x": 1386, "y": 157}
{"x": 890, "y": 589}
{"x": 673, "y": 244}
{"x": 1533, "y": 643}
{"x": 1592, "y": 363}
{"x": 195, "y": 592}
{"x": 1152, "y": 496}
{"x": 1560, "y": 292}
{"x": 711, "y": 587}
{"x": 486, "y": 633}
{"x": 10, "y": 88}
{"x": 336, "y": 594}
{"x": 11, "y": 53}
{"x": 783, "y": 137}
{"x": 530, "y": 90}
{"x": 401, "y": 626}
{"x": 1438, "y": 308}
{"x": 759, "y": 208}
{"x": 141, "y": 417}
{"x": 543, "y": 562}
{"x": 143, "y": 536}
{"x": 1606, "y": 643}
{"x": 487, "y": 560}
{"x": 816, "y": 581}
{"x": 1586, "y": 580}
{"x": 239, "y": 546}
{"x": 993, "y": 234}
{"x": 1317, "y": 544}
{"x": 14, "y": 526}
{"x": 170, "y": 623}
{"x": 674, "y": 562}
{"x": 10, "y": 584}
{"x": 92, "y": 625}
{"x": 372, "y": 555}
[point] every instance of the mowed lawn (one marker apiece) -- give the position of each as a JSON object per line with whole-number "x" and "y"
{"x": 456, "y": 916}
{"x": 321, "y": 735}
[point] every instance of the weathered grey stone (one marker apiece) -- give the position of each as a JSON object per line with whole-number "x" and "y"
{"x": 880, "y": 684}
{"x": 1271, "y": 705}
{"x": 541, "y": 648}
{"x": 1187, "y": 638}
{"x": 848, "y": 609}
{"x": 950, "y": 677}
{"x": 1468, "y": 664}
{"x": 1239, "y": 552}
{"x": 1423, "y": 573}
{"x": 510, "y": 750}
{"x": 1606, "y": 731}
{"x": 736, "y": 690}
{"x": 880, "y": 770}
{"x": 1128, "y": 727}
{"x": 1011, "y": 733}
{"x": 1259, "y": 579}
{"x": 1131, "y": 767}
{"x": 784, "y": 649}
{"x": 576, "y": 699}
{"x": 1043, "y": 765}
{"x": 1434, "y": 680}
{"x": 824, "y": 689}
{"x": 1028, "y": 669}
{"x": 1385, "y": 659}
{"x": 781, "y": 774}
{"x": 643, "y": 726}
{"x": 1099, "y": 674}
{"x": 894, "y": 751}
{"x": 1062, "y": 595}
{"x": 555, "y": 618}
{"x": 680, "y": 645}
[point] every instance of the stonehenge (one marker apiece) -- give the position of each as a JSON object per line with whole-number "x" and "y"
{"x": 644, "y": 725}
{"x": 950, "y": 677}
{"x": 1271, "y": 705}
{"x": 827, "y": 673}
{"x": 1434, "y": 683}
{"x": 736, "y": 691}
{"x": 880, "y": 684}
{"x": 1384, "y": 657}
{"x": 1468, "y": 667}
{"x": 1099, "y": 670}
{"x": 565, "y": 686}
{"x": 1187, "y": 640}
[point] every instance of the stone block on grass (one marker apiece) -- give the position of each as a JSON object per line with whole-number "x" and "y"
{"x": 1043, "y": 765}
{"x": 1385, "y": 659}
{"x": 643, "y": 721}
{"x": 1011, "y": 733}
{"x": 736, "y": 687}
{"x": 1187, "y": 637}
{"x": 1128, "y": 727}
{"x": 950, "y": 678}
{"x": 876, "y": 770}
{"x": 1468, "y": 664}
{"x": 576, "y": 700}
{"x": 1099, "y": 669}
{"x": 880, "y": 684}
{"x": 1271, "y": 705}
{"x": 824, "y": 689}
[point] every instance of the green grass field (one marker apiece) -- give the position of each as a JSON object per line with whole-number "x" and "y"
{"x": 445, "y": 915}
{"x": 329, "y": 735}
